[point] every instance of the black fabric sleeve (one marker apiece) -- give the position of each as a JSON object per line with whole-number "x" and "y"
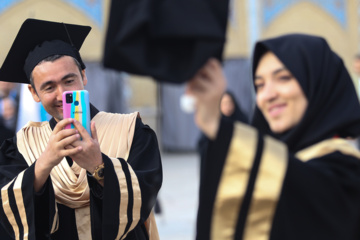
{"x": 11, "y": 164}
{"x": 27, "y": 207}
{"x": 95, "y": 187}
{"x": 44, "y": 209}
{"x": 144, "y": 159}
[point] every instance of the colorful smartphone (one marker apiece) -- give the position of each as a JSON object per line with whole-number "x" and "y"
{"x": 76, "y": 105}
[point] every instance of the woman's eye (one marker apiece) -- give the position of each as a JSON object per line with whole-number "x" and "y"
{"x": 285, "y": 77}
{"x": 259, "y": 86}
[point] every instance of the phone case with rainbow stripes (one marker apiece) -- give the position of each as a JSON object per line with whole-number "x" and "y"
{"x": 76, "y": 105}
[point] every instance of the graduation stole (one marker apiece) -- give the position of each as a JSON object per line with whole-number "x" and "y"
{"x": 326, "y": 147}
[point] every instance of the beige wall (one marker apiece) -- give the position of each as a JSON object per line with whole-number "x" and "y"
{"x": 144, "y": 99}
{"x": 12, "y": 18}
{"x": 308, "y": 18}
{"x": 303, "y": 17}
{"x": 237, "y": 40}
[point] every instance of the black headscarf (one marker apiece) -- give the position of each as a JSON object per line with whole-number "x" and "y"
{"x": 333, "y": 106}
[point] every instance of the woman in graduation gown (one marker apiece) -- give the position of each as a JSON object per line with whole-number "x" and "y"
{"x": 292, "y": 174}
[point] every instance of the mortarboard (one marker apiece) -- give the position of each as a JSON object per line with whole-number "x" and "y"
{"x": 166, "y": 39}
{"x": 38, "y": 39}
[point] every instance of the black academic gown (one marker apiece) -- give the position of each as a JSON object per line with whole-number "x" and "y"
{"x": 144, "y": 159}
{"x": 252, "y": 187}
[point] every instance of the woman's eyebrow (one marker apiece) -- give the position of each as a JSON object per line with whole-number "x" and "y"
{"x": 273, "y": 73}
{"x": 279, "y": 70}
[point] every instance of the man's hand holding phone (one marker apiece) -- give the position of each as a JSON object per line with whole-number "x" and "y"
{"x": 88, "y": 155}
{"x": 76, "y": 106}
{"x": 56, "y": 149}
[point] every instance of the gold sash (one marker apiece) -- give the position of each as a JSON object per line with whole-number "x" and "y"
{"x": 326, "y": 147}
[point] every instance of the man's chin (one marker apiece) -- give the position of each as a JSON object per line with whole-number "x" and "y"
{"x": 58, "y": 118}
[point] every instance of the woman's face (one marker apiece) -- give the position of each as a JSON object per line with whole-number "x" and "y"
{"x": 279, "y": 95}
{"x": 227, "y": 105}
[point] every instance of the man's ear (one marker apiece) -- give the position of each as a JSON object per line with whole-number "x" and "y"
{"x": 84, "y": 77}
{"x": 33, "y": 93}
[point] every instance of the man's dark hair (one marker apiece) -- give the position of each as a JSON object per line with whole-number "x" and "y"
{"x": 52, "y": 59}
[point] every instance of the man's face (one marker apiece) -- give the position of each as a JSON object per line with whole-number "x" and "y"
{"x": 51, "y": 79}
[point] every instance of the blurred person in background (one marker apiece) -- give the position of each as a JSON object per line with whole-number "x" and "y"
{"x": 292, "y": 174}
{"x": 356, "y": 76}
{"x": 8, "y": 112}
{"x": 8, "y": 89}
{"x": 356, "y": 81}
{"x": 9, "y": 99}
{"x": 229, "y": 107}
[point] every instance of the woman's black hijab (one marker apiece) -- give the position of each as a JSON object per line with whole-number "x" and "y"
{"x": 333, "y": 106}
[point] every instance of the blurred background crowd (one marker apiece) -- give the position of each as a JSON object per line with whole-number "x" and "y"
{"x": 249, "y": 20}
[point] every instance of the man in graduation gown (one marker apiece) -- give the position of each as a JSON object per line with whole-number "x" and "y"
{"x": 61, "y": 183}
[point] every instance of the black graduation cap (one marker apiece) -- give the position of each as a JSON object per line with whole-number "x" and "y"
{"x": 166, "y": 39}
{"x": 38, "y": 39}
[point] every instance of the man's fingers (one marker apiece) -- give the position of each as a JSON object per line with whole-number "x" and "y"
{"x": 61, "y": 124}
{"x": 71, "y": 151}
{"x": 65, "y": 133}
{"x": 69, "y": 140}
{"x": 84, "y": 134}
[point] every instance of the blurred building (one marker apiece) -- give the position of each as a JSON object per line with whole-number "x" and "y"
{"x": 249, "y": 21}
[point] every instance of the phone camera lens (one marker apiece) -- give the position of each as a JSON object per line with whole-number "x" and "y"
{"x": 69, "y": 98}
